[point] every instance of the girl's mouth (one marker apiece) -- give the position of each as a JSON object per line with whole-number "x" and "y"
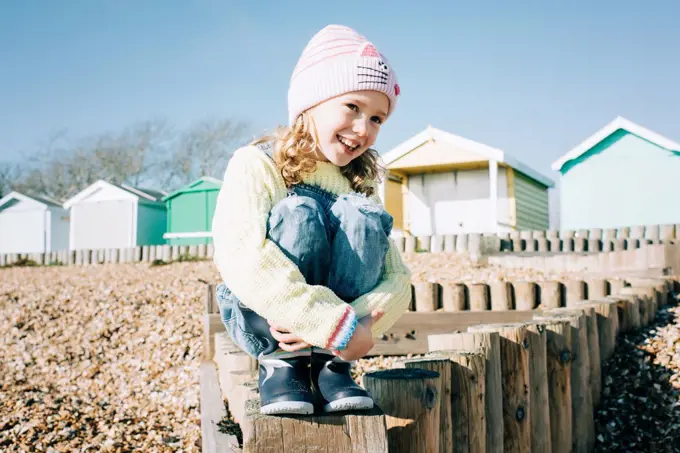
{"x": 349, "y": 145}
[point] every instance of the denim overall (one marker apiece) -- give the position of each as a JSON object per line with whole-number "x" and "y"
{"x": 337, "y": 241}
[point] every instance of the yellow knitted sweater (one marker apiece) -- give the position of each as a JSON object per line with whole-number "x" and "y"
{"x": 265, "y": 280}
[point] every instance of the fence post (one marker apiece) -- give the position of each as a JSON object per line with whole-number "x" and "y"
{"x": 525, "y": 295}
{"x": 410, "y": 244}
{"x": 479, "y": 296}
{"x": 514, "y": 355}
{"x": 501, "y": 296}
{"x": 453, "y": 296}
{"x": 488, "y": 344}
{"x": 558, "y": 367}
{"x": 410, "y": 399}
{"x": 427, "y": 296}
{"x": 606, "y": 314}
{"x": 551, "y": 294}
{"x": 442, "y": 366}
{"x": 583, "y": 426}
{"x": 538, "y": 377}
{"x": 450, "y": 243}
{"x": 437, "y": 243}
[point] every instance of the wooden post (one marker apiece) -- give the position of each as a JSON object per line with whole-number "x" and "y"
{"x": 210, "y": 302}
{"x": 525, "y": 295}
{"x": 410, "y": 399}
{"x": 654, "y": 295}
{"x": 426, "y": 295}
{"x": 615, "y": 286}
{"x": 488, "y": 344}
{"x": 479, "y": 296}
{"x": 360, "y": 431}
{"x": 558, "y": 368}
{"x": 594, "y": 245}
{"x": 607, "y": 324}
{"x": 441, "y": 365}
{"x": 551, "y": 294}
{"x": 501, "y": 296}
{"x": 640, "y": 298}
{"x": 555, "y": 245}
{"x": 538, "y": 377}
{"x": 594, "y": 354}
{"x": 410, "y": 244}
{"x": 453, "y": 296}
{"x": 579, "y": 244}
{"x": 575, "y": 291}
{"x": 629, "y": 312}
{"x": 468, "y": 401}
{"x": 583, "y": 427}
{"x": 597, "y": 289}
{"x": 515, "y": 380}
{"x": 212, "y": 411}
{"x": 594, "y": 359}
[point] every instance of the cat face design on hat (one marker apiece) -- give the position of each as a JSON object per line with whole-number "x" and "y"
{"x": 373, "y": 71}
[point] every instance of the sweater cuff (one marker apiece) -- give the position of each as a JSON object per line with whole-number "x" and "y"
{"x": 344, "y": 330}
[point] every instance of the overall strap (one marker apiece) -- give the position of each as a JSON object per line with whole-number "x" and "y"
{"x": 267, "y": 148}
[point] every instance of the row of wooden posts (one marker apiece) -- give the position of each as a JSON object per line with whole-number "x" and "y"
{"x": 510, "y": 295}
{"x": 142, "y": 254}
{"x": 510, "y": 387}
{"x": 475, "y": 243}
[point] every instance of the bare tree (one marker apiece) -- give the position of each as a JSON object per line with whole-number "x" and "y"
{"x": 204, "y": 149}
{"x": 9, "y": 177}
{"x": 60, "y": 168}
{"x": 148, "y": 154}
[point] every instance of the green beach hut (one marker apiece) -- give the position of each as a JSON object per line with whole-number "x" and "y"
{"x": 190, "y": 212}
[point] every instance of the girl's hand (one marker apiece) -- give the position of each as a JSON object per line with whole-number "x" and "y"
{"x": 287, "y": 341}
{"x": 362, "y": 339}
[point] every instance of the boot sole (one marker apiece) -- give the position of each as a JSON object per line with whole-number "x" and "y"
{"x": 352, "y": 403}
{"x": 288, "y": 407}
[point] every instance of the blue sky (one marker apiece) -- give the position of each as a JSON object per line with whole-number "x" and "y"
{"x": 534, "y": 78}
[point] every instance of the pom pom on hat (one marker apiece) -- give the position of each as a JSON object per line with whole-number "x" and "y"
{"x": 338, "y": 60}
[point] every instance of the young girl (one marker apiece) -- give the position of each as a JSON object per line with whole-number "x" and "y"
{"x": 302, "y": 239}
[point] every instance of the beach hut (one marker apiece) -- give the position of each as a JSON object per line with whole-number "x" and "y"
{"x": 441, "y": 183}
{"x": 106, "y": 215}
{"x": 190, "y": 212}
{"x": 623, "y": 175}
{"x": 32, "y": 224}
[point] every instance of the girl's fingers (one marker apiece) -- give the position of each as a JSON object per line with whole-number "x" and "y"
{"x": 279, "y": 328}
{"x": 293, "y": 347}
{"x": 284, "y": 337}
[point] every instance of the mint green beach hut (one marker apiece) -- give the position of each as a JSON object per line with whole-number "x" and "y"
{"x": 190, "y": 212}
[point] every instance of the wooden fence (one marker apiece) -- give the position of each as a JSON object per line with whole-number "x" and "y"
{"x": 444, "y": 307}
{"x": 144, "y": 254}
{"x": 554, "y": 241}
{"x": 476, "y": 244}
{"x": 511, "y": 380}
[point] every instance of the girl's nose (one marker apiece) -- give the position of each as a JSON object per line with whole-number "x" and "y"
{"x": 360, "y": 127}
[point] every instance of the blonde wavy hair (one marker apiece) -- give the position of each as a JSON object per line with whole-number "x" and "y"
{"x": 294, "y": 150}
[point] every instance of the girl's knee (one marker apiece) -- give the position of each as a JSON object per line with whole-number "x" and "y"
{"x": 298, "y": 222}
{"x": 358, "y": 212}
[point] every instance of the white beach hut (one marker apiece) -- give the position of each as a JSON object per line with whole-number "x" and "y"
{"x": 32, "y": 224}
{"x": 106, "y": 215}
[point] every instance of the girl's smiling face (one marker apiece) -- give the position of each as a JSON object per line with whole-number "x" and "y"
{"x": 347, "y": 125}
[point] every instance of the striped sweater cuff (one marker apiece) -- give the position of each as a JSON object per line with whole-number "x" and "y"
{"x": 344, "y": 330}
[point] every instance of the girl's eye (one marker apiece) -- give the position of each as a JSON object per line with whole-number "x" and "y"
{"x": 377, "y": 119}
{"x": 353, "y": 107}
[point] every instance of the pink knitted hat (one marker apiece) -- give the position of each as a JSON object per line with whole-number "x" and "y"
{"x": 338, "y": 60}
